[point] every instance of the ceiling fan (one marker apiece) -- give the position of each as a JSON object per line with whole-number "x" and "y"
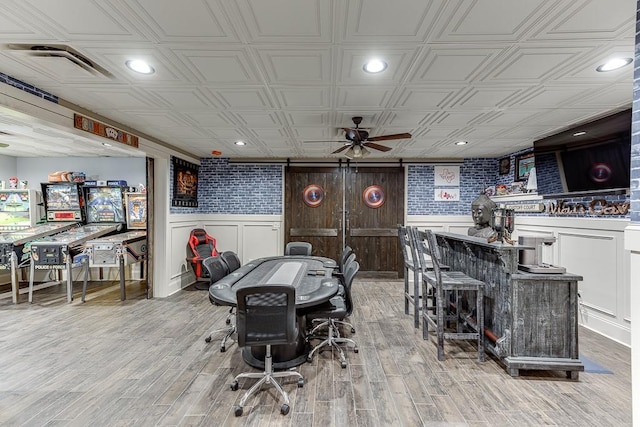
{"x": 359, "y": 141}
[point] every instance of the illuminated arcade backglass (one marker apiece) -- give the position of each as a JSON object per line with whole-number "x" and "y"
{"x": 105, "y": 204}
{"x": 19, "y": 209}
{"x": 63, "y": 201}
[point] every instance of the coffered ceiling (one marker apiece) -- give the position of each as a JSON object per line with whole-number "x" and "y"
{"x": 280, "y": 73}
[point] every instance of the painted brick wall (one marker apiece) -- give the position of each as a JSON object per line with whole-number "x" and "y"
{"x": 475, "y": 174}
{"x": 27, "y": 88}
{"x": 225, "y": 188}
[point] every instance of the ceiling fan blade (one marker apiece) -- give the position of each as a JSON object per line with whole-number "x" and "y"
{"x": 389, "y": 137}
{"x": 311, "y": 142}
{"x": 376, "y": 146}
{"x": 341, "y": 149}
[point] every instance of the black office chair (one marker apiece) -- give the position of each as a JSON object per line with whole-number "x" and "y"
{"x": 266, "y": 316}
{"x": 233, "y": 263}
{"x": 218, "y": 269}
{"x": 231, "y": 259}
{"x": 344, "y": 257}
{"x": 334, "y": 312}
{"x": 298, "y": 248}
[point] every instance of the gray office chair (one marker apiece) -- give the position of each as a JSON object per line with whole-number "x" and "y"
{"x": 231, "y": 259}
{"x": 266, "y": 316}
{"x": 217, "y": 269}
{"x": 298, "y": 248}
{"x": 334, "y": 312}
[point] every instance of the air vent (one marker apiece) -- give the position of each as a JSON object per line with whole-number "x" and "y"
{"x": 61, "y": 51}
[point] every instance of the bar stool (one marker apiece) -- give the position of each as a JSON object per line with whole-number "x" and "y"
{"x": 410, "y": 297}
{"x": 450, "y": 289}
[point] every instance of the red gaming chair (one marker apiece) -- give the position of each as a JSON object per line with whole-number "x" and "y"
{"x": 202, "y": 246}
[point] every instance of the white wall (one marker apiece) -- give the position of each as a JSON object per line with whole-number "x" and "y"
{"x": 36, "y": 170}
{"x": 8, "y": 168}
{"x": 250, "y": 236}
{"x": 590, "y": 247}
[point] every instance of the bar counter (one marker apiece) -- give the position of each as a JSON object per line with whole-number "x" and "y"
{"x": 531, "y": 319}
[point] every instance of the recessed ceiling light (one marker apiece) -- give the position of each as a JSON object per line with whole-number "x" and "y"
{"x": 375, "y": 66}
{"x": 241, "y": 143}
{"x": 461, "y": 143}
{"x": 140, "y": 66}
{"x": 614, "y": 64}
{"x": 106, "y": 144}
{"x": 579, "y": 133}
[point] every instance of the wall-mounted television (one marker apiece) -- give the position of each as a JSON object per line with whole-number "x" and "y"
{"x": 591, "y": 158}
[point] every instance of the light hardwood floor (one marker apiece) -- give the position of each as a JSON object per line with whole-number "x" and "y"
{"x": 144, "y": 363}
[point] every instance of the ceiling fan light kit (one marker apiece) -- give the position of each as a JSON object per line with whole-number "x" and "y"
{"x": 359, "y": 141}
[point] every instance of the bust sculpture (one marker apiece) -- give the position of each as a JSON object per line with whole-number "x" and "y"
{"x": 481, "y": 211}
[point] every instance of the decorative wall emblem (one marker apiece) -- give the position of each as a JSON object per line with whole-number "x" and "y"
{"x": 312, "y": 195}
{"x": 373, "y": 196}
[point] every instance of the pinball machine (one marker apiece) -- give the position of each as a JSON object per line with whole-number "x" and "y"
{"x": 20, "y": 210}
{"x": 103, "y": 209}
{"x": 123, "y": 249}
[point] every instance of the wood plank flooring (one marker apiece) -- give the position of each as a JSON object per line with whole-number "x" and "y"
{"x": 144, "y": 362}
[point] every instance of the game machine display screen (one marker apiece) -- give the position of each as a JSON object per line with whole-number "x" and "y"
{"x": 105, "y": 204}
{"x": 18, "y": 209}
{"x": 63, "y": 201}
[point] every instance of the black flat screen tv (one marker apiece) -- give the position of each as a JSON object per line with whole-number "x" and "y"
{"x": 593, "y": 162}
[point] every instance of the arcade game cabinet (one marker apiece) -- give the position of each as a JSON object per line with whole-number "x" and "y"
{"x": 122, "y": 249}
{"x": 20, "y": 210}
{"x": 104, "y": 212}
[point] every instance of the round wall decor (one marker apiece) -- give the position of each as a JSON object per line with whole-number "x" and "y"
{"x": 373, "y": 196}
{"x": 600, "y": 172}
{"x": 312, "y": 195}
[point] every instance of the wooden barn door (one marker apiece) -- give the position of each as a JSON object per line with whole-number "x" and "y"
{"x": 344, "y": 218}
{"x": 374, "y": 208}
{"x": 318, "y": 222}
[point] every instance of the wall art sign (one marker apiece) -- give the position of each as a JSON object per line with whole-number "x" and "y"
{"x": 312, "y": 195}
{"x": 505, "y": 165}
{"x": 447, "y": 176}
{"x": 447, "y": 194}
{"x": 185, "y": 183}
{"x": 524, "y": 164}
{"x": 92, "y": 126}
{"x": 373, "y": 196}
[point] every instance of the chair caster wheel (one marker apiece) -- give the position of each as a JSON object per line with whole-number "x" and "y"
{"x": 343, "y": 364}
{"x": 208, "y": 339}
{"x": 223, "y": 349}
{"x": 309, "y": 359}
{"x": 234, "y": 387}
{"x": 284, "y": 410}
{"x": 228, "y": 321}
{"x": 353, "y": 330}
{"x": 300, "y": 383}
{"x": 237, "y": 411}
{"x": 355, "y": 349}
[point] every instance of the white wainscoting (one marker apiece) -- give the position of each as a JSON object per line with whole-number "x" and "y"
{"x": 590, "y": 247}
{"x": 250, "y": 236}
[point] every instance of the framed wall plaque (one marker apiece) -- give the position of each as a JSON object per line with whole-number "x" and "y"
{"x": 185, "y": 183}
{"x": 524, "y": 164}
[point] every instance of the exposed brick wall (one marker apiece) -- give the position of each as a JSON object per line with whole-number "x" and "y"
{"x": 27, "y": 88}
{"x": 225, "y": 188}
{"x": 475, "y": 174}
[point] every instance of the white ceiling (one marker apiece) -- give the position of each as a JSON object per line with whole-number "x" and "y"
{"x": 276, "y": 73}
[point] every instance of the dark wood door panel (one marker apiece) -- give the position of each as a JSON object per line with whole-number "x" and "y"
{"x": 372, "y": 232}
{"x": 322, "y": 225}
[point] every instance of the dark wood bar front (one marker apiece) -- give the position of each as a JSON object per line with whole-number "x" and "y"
{"x": 531, "y": 320}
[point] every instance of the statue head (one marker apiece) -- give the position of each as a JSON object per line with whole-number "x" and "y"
{"x": 481, "y": 210}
